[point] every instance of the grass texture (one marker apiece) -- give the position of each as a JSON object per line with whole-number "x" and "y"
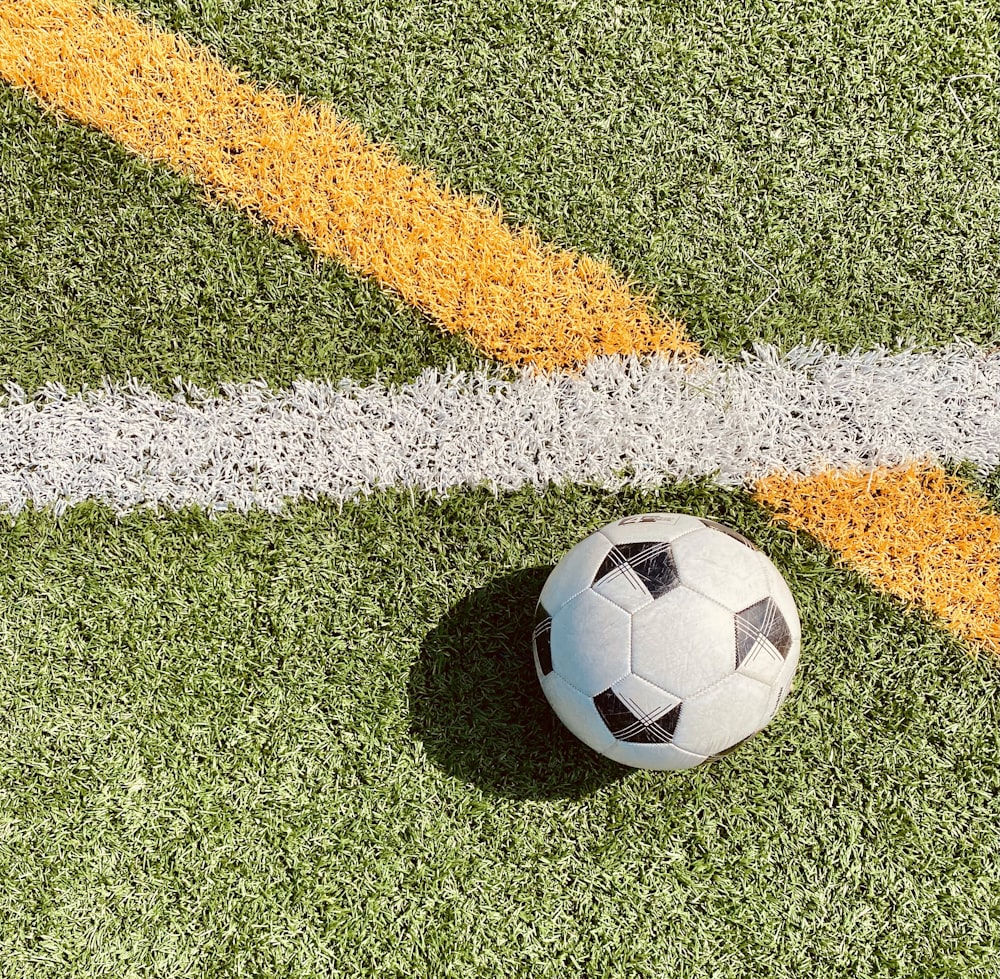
{"x": 111, "y": 267}
{"x": 310, "y": 173}
{"x": 311, "y": 744}
{"x": 314, "y": 746}
{"x": 773, "y": 172}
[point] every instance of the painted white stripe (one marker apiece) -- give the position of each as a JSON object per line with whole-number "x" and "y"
{"x": 620, "y": 422}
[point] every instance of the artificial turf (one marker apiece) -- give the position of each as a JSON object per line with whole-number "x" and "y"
{"x": 112, "y": 268}
{"x": 315, "y": 746}
{"x": 774, "y": 171}
{"x": 312, "y": 745}
{"x": 779, "y": 173}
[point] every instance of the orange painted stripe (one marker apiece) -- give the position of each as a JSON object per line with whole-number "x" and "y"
{"x": 310, "y": 173}
{"x": 916, "y": 532}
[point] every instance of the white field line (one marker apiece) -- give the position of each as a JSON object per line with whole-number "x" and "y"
{"x": 620, "y": 422}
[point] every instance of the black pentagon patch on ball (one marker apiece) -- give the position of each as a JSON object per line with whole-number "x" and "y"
{"x": 628, "y": 723}
{"x": 761, "y": 622}
{"x": 728, "y": 531}
{"x": 541, "y": 640}
{"x": 649, "y": 566}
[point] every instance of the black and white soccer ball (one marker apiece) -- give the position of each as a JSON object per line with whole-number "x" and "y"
{"x": 664, "y": 640}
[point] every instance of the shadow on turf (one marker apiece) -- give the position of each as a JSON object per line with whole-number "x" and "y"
{"x": 477, "y": 707}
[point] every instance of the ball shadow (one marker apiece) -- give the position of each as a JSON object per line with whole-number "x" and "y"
{"x": 478, "y": 709}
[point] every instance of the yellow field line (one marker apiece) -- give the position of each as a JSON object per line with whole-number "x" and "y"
{"x": 915, "y": 532}
{"x": 310, "y": 173}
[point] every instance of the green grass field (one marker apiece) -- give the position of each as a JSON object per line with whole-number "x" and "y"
{"x": 312, "y": 744}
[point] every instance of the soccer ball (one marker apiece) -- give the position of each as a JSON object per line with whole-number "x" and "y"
{"x": 664, "y": 640}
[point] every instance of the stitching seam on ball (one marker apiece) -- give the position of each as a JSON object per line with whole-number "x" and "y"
{"x": 709, "y": 598}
